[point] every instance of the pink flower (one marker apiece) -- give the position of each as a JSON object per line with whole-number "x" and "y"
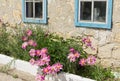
{"x": 32, "y": 43}
{"x": 91, "y": 60}
{"x": 24, "y": 45}
{"x": 71, "y": 57}
{"x": 53, "y": 70}
{"x": 46, "y": 60}
{"x": 86, "y": 41}
{"x": 82, "y": 62}
{"x": 77, "y": 54}
{"x": 40, "y": 77}
{"x": 47, "y": 70}
{"x": 32, "y": 61}
{"x": 32, "y": 52}
{"x": 44, "y": 51}
{"x": 38, "y": 52}
{"x": 29, "y": 32}
{"x": 24, "y": 38}
{"x": 43, "y": 61}
{"x": 58, "y": 67}
{"x": 72, "y": 50}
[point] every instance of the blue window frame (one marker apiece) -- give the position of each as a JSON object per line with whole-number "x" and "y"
{"x": 93, "y": 13}
{"x": 34, "y": 11}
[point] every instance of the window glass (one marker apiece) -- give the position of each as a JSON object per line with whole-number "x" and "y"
{"x": 99, "y": 11}
{"x": 85, "y": 10}
{"x": 38, "y": 10}
{"x": 29, "y": 9}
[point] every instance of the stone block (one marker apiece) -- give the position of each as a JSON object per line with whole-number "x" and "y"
{"x": 104, "y": 37}
{"x": 116, "y": 11}
{"x": 116, "y": 54}
{"x": 106, "y": 62}
{"x": 117, "y": 37}
{"x": 105, "y": 51}
{"x": 116, "y": 63}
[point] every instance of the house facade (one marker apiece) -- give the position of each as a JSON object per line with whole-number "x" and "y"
{"x": 98, "y": 19}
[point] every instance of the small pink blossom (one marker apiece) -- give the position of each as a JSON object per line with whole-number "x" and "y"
{"x": 86, "y": 41}
{"x": 82, "y": 62}
{"x": 24, "y": 45}
{"x": 53, "y": 70}
{"x": 32, "y": 61}
{"x": 58, "y": 67}
{"x": 40, "y": 77}
{"x": 91, "y": 60}
{"x": 72, "y": 50}
{"x": 29, "y": 32}
{"x": 38, "y": 52}
{"x": 47, "y": 70}
{"x": 71, "y": 57}
{"x": 77, "y": 54}
{"x": 44, "y": 51}
{"x": 32, "y": 52}
{"x": 46, "y": 60}
{"x": 24, "y": 38}
{"x": 43, "y": 61}
{"x": 32, "y": 43}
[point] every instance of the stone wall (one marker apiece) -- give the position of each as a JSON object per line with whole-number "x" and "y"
{"x": 61, "y": 20}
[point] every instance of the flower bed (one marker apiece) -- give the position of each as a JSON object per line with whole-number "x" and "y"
{"x": 27, "y": 67}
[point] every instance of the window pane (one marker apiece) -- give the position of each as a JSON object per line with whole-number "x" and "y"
{"x": 100, "y": 11}
{"x": 38, "y": 10}
{"x": 85, "y": 10}
{"x": 29, "y": 9}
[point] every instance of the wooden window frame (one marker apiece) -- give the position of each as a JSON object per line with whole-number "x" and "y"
{"x": 42, "y": 20}
{"x": 106, "y": 25}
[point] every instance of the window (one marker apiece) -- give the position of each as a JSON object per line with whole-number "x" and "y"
{"x": 93, "y": 13}
{"x": 34, "y": 11}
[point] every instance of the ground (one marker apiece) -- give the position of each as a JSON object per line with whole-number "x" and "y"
{"x": 15, "y": 75}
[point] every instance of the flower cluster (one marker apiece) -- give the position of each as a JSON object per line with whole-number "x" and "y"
{"x": 28, "y": 42}
{"x": 40, "y": 57}
{"x": 87, "y": 42}
{"x": 48, "y": 70}
{"x": 43, "y": 61}
{"x": 89, "y": 61}
{"x": 52, "y": 69}
{"x": 74, "y": 55}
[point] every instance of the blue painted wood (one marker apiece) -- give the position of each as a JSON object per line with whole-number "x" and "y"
{"x": 76, "y": 11}
{"x": 35, "y": 20}
{"x": 23, "y": 10}
{"x": 110, "y": 7}
{"x": 106, "y": 25}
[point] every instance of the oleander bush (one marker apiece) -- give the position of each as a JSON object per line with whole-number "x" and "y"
{"x": 68, "y": 52}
